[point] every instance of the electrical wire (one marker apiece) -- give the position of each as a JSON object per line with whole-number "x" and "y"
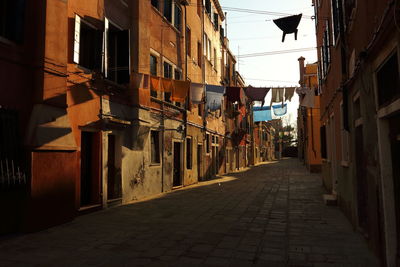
{"x": 270, "y": 53}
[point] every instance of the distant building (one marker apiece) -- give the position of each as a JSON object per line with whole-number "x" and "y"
{"x": 308, "y": 119}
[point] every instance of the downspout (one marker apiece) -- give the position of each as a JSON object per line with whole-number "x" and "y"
{"x": 203, "y": 80}
{"x": 162, "y": 126}
{"x": 187, "y": 97}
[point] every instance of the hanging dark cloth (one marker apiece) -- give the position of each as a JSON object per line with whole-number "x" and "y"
{"x": 288, "y": 25}
{"x": 233, "y": 94}
{"x": 257, "y": 94}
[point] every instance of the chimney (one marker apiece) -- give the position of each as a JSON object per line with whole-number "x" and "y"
{"x": 301, "y": 69}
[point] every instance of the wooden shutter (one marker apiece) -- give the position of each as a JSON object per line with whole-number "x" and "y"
{"x": 105, "y": 48}
{"x": 77, "y": 37}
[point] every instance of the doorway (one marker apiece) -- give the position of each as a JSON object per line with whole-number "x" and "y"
{"x": 114, "y": 188}
{"x": 362, "y": 182}
{"x": 394, "y": 125}
{"x": 90, "y": 185}
{"x": 177, "y": 179}
{"x": 199, "y": 161}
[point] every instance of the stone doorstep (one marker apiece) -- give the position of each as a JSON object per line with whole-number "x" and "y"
{"x": 330, "y": 199}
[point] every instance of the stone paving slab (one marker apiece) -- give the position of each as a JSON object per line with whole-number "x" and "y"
{"x": 269, "y": 215}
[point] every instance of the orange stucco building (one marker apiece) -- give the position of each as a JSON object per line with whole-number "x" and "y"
{"x": 308, "y": 122}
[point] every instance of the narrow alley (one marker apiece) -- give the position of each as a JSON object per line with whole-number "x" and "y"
{"x": 269, "y": 215}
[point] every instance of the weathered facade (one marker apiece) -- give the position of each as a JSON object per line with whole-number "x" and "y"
{"x": 359, "y": 80}
{"x": 99, "y": 121}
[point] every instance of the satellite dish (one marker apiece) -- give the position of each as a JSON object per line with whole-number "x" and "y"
{"x": 288, "y": 25}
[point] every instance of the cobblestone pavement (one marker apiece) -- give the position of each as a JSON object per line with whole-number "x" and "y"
{"x": 269, "y": 215}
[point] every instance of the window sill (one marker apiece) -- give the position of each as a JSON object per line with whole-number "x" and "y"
{"x": 154, "y": 165}
{"x": 7, "y": 41}
{"x": 345, "y": 163}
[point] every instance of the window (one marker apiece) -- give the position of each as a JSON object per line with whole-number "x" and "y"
{"x": 153, "y": 65}
{"x": 155, "y": 146}
{"x": 325, "y": 51}
{"x": 387, "y": 79}
{"x": 336, "y": 18}
{"x": 208, "y": 6}
{"x": 215, "y": 58}
{"x": 215, "y": 18}
{"x": 167, "y": 70}
{"x": 177, "y": 74}
{"x": 200, "y": 110}
{"x": 178, "y": 17}
{"x": 88, "y": 45}
{"x": 153, "y": 71}
{"x": 155, "y": 3}
{"x": 323, "y": 142}
{"x": 205, "y": 43}
{"x": 167, "y": 74}
{"x": 208, "y": 143}
{"x": 12, "y": 14}
{"x": 188, "y": 42}
{"x": 199, "y": 54}
{"x": 209, "y": 49}
{"x": 344, "y": 136}
{"x": 168, "y": 10}
{"x": 188, "y": 153}
{"x": 117, "y": 58}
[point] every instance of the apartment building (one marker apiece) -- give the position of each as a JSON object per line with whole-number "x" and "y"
{"x": 359, "y": 77}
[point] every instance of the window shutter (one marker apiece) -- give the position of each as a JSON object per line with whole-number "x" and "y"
{"x": 105, "y": 48}
{"x": 77, "y": 37}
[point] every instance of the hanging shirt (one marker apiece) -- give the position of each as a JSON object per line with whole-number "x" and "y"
{"x": 277, "y": 95}
{"x": 289, "y": 93}
{"x": 308, "y": 100}
{"x": 180, "y": 90}
{"x": 280, "y": 110}
{"x": 196, "y": 93}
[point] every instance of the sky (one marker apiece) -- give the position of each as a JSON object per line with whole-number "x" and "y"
{"x": 253, "y": 33}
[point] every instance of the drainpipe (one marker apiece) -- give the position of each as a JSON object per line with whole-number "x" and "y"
{"x": 162, "y": 116}
{"x": 186, "y": 107}
{"x": 203, "y": 80}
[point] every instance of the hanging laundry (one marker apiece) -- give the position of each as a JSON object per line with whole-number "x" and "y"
{"x": 308, "y": 100}
{"x": 279, "y": 110}
{"x": 167, "y": 85}
{"x": 214, "y": 101}
{"x": 196, "y": 93}
{"x": 262, "y": 114}
{"x": 277, "y": 95}
{"x": 180, "y": 90}
{"x": 288, "y": 25}
{"x": 233, "y": 94}
{"x": 289, "y": 93}
{"x": 257, "y": 93}
{"x": 155, "y": 83}
{"x": 214, "y": 95}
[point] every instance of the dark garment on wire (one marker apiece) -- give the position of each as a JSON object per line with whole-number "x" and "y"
{"x": 257, "y": 94}
{"x": 233, "y": 94}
